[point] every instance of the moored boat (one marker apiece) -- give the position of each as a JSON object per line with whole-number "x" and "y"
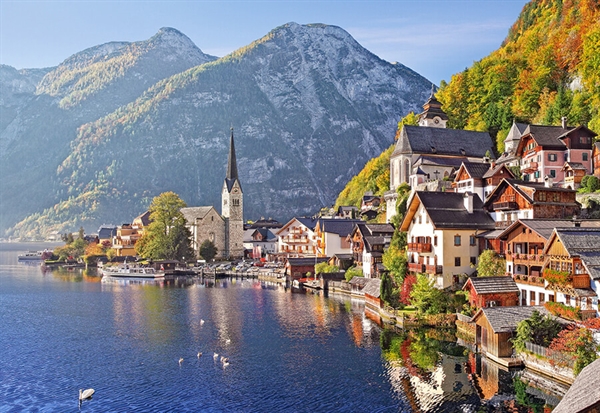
{"x": 33, "y": 255}
{"x": 131, "y": 271}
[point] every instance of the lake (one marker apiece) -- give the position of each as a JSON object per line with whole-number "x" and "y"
{"x": 288, "y": 352}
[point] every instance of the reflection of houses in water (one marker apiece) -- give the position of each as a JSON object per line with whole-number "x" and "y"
{"x": 490, "y": 379}
{"x": 446, "y": 387}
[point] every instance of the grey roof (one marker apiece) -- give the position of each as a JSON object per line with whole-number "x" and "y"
{"x": 575, "y": 166}
{"x": 342, "y": 257}
{"x": 191, "y": 213}
{"x": 106, "y": 232}
{"x": 476, "y": 170}
{"x": 443, "y": 141}
{"x": 494, "y": 170}
{"x": 342, "y": 227}
{"x": 585, "y": 243}
{"x": 505, "y": 319}
{"x": 310, "y": 222}
{"x": 516, "y": 131}
{"x": 359, "y": 281}
{"x": 545, "y": 227}
{"x": 232, "y": 172}
{"x": 447, "y": 210}
{"x": 373, "y": 287}
{"x": 433, "y": 108}
{"x": 547, "y": 136}
{"x": 144, "y": 218}
{"x": 491, "y": 285}
{"x": 584, "y": 393}
{"x": 439, "y": 161}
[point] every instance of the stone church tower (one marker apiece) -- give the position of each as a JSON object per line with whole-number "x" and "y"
{"x": 232, "y": 208}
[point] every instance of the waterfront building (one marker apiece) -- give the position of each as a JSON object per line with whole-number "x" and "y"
{"x": 332, "y": 236}
{"x": 297, "y": 237}
{"x": 442, "y": 230}
{"x": 498, "y": 291}
{"x": 368, "y": 243}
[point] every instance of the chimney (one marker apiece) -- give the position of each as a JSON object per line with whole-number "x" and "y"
{"x": 564, "y": 122}
{"x": 468, "y": 200}
{"x": 548, "y": 181}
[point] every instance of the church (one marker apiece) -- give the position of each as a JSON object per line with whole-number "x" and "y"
{"x": 225, "y": 230}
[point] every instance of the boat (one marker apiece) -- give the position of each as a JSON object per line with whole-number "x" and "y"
{"x": 31, "y": 256}
{"x": 131, "y": 271}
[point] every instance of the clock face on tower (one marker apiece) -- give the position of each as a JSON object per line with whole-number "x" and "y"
{"x": 436, "y": 121}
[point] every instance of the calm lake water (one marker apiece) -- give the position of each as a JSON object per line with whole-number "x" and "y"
{"x": 289, "y": 352}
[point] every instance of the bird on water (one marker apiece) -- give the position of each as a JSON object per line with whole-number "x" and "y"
{"x": 85, "y": 394}
{"x": 199, "y": 354}
{"x": 180, "y": 360}
{"x": 216, "y": 356}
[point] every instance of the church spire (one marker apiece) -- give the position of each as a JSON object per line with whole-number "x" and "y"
{"x": 232, "y": 172}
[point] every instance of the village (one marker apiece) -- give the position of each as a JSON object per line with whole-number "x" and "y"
{"x": 455, "y": 205}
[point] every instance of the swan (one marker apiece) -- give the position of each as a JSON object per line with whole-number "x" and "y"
{"x": 225, "y": 364}
{"x": 216, "y": 356}
{"x": 227, "y": 341}
{"x": 225, "y": 360}
{"x": 201, "y": 321}
{"x": 180, "y": 360}
{"x": 85, "y": 394}
{"x": 199, "y": 354}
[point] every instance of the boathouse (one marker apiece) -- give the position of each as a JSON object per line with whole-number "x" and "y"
{"x": 499, "y": 291}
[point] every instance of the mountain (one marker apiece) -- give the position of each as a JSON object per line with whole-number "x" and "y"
{"x": 308, "y": 104}
{"x": 547, "y": 67}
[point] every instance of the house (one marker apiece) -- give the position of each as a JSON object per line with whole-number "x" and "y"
{"x": 342, "y": 261}
{"x": 106, "y": 234}
{"x": 573, "y": 174}
{"x": 431, "y": 151}
{"x": 368, "y": 242}
{"x": 369, "y": 206}
{"x": 480, "y": 178}
{"x": 596, "y": 159}
{"x": 296, "y": 268}
{"x": 297, "y": 237}
{"x": 260, "y": 241}
{"x": 543, "y": 151}
{"x": 492, "y": 291}
{"x": 572, "y": 268}
{"x": 124, "y": 241}
{"x": 372, "y": 291}
{"x": 332, "y": 236}
{"x": 584, "y": 394}
{"x": 347, "y": 212}
{"x": 206, "y": 224}
{"x": 525, "y": 241}
{"x": 513, "y": 200}
{"x": 442, "y": 230}
{"x": 496, "y": 326}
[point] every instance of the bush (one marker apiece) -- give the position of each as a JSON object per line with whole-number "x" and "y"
{"x": 565, "y": 311}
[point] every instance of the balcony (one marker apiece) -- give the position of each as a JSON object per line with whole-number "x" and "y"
{"x": 419, "y": 247}
{"x": 415, "y": 267}
{"x": 532, "y": 167}
{"x": 505, "y": 206}
{"x": 295, "y": 240}
{"x": 581, "y": 281}
{"x": 527, "y": 259}
{"x": 433, "y": 269}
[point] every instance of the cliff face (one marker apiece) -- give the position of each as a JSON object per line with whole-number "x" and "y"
{"x": 110, "y": 128}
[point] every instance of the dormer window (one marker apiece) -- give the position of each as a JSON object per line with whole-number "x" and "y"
{"x": 462, "y": 152}
{"x": 433, "y": 150}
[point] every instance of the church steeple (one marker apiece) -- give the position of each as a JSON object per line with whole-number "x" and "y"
{"x": 433, "y": 115}
{"x": 232, "y": 172}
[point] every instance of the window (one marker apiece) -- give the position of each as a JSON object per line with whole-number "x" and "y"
{"x": 472, "y": 240}
{"x": 557, "y": 197}
{"x": 457, "y": 240}
{"x": 542, "y": 196}
{"x": 532, "y": 298}
{"x": 536, "y": 174}
{"x": 584, "y": 139}
{"x": 552, "y": 157}
{"x": 457, "y": 261}
{"x": 435, "y": 240}
{"x": 473, "y": 260}
{"x": 552, "y": 173}
{"x": 419, "y": 219}
{"x": 584, "y": 156}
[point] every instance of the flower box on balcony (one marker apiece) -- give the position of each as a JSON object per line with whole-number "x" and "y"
{"x": 557, "y": 277}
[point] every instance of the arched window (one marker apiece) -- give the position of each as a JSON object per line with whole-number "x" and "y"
{"x": 406, "y": 170}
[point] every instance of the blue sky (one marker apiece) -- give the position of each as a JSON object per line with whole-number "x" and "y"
{"x": 436, "y": 38}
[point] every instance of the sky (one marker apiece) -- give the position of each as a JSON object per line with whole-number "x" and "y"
{"x": 436, "y": 38}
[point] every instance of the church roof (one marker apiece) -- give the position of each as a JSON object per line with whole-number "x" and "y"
{"x": 232, "y": 172}
{"x": 441, "y": 141}
{"x": 192, "y": 213}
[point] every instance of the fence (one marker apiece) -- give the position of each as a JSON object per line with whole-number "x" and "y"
{"x": 554, "y": 357}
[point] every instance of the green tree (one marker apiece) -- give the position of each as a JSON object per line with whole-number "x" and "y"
{"x": 81, "y": 232}
{"x": 324, "y": 267}
{"x": 537, "y": 329}
{"x": 490, "y": 264}
{"x": 353, "y": 272}
{"x": 386, "y": 290}
{"x": 426, "y": 298}
{"x": 208, "y": 250}
{"x": 167, "y": 236}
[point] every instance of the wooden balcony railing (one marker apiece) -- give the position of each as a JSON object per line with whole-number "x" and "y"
{"x": 581, "y": 281}
{"x": 415, "y": 267}
{"x": 419, "y": 247}
{"x": 433, "y": 269}
{"x": 505, "y": 206}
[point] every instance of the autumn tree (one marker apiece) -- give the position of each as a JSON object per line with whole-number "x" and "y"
{"x": 490, "y": 264}
{"x": 167, "y": 236}
{"x": 537, "y": 329}
{"x": 407, "y": 287}
{"x": 578, "y": 342}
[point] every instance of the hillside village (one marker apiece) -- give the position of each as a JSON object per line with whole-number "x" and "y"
{"x": 462, "y": 202}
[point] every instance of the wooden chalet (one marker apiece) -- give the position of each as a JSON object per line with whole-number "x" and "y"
{"x": 368, "y": 242}
{"x": 372, "y": 291}
{"x": 513, "y": 200}
{"x": 480, "y": 178}
{"x": 296, "y": 268}
{"x": 492, "y": 291}
{"x": 496, "y": 326}
{"x": 573, "y": 174}
{"x": 572, "y": 268}
{"x": 342, "y": 261}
